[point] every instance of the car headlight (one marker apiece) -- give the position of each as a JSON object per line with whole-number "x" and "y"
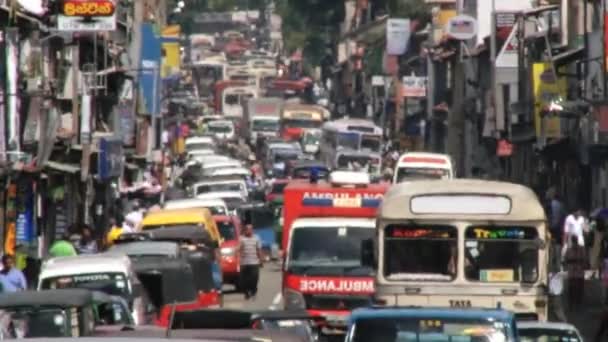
{"x": 227, "y": 251}
{"x": 294, "y": 300}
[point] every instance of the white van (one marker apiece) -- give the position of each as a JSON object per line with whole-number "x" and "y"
{"x": 222, "y": 129}
{"x": 423, "y": 166}
{"x": 107, "y": 273}
{"x": 208, "y": 168}
{"x": 236, "y": 184}
{"x": 233, "y": 199}
{"x": 216, "y": 206}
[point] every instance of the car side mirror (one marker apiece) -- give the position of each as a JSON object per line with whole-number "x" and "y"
{"x": 367, "y": 253}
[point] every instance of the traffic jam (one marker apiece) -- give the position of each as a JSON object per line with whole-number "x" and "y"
{"x": 369, "y": 243}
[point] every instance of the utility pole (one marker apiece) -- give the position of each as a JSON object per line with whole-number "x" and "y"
{"x": 430, "y": 89}
{"x": 456, "y": 117}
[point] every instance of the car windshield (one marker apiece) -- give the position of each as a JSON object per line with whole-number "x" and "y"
{"x": 501, "y": 254}
{"x": 304, "y": 173}
{"x": 349, "y": 140}
{"x": 227, "y": 230}
{"x": 429, "y": 329}
{"x": 371, "y": 142}
{"x": 110, "y": 283}
{"x": 415, "y": 173}
{"x": 231, "y": 100}
{"x": 548, "y": 335}
{"x": 114, "y": 313}
{"x": 265, "y": 125}
{"x": 285, "y": 156}
{"x": 205, "y": 188}
{"x": 277, "y": 188}
{"x": 327, "y": 246}
{"x": 420, "y": 253}
{"x": 37, "y": 322}
{"x": 219, "y": 128}
{"x": 301, "y": 123}
{"x": 311, "y": 139}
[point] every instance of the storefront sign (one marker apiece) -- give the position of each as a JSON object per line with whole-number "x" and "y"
{"x": 397, "y": 36}
{"x": 462, "y": 27}
{"x": 12, "y": 82}
{"x": 87, "y": 15}
{"x": 110, "y": 158}
{"x": 25, "y": 213}
{"x": 413, "y": 86}
{"x": 546, "y": 90}
{"x": 149, "y": 73}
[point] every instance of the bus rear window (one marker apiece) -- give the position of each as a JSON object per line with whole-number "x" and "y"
{"x": 420, "y": 253}
{"x": 501, "y": 254}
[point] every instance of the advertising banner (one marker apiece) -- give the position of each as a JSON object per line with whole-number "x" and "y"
{"x": 397, "y": 36}
{"x": 86, "y": 15}
{"x": 413, "y": 86}
{"x": 149, "y": 71}
{"x": 110, "y": 158}
{"x": 547, "y": 88}
{"x": 12, "y": 84}
{"x": 171, "y": 58}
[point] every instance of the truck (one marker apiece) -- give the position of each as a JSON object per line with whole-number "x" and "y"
{"x": 324, "y": 227}
{"x": 261, "y": 117}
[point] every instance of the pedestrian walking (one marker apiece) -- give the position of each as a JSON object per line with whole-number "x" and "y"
{"x": 575, "y": 225}
{"x": 596, "y": 258}
{"x": 556, "y": 289}
{"x": 251, "y": 262}
{"x": 11, "y": 278}
{"x": 575, "y": 260}
{"x": 556, "y": 214}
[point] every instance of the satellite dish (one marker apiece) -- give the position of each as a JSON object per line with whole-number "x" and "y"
{"x": 33, "y": 6}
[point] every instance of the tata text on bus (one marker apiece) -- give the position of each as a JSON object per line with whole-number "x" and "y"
{"x": 461, "y": 243}
{"x": 324, "y": 226}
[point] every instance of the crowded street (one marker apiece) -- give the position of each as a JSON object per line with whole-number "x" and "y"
{"x": 304, "y": 170}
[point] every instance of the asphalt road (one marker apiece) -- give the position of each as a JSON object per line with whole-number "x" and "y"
{"x": 269, "y": 292}
{"x": 587, "y": 317}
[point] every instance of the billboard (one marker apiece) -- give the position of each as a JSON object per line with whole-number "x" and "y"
{"x": 547, "y": 88}
{"x": 149, "y": 71}
{"x": 87, "y": 15}
{"x": 171, "y": 56}
{"x": 397, "y": 36}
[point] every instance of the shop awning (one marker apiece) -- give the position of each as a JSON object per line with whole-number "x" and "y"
{"x": 62, "y": 167}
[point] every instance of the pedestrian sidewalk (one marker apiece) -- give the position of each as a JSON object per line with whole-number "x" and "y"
{"x": 586, "y": 318}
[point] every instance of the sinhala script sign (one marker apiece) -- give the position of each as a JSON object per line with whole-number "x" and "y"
{"x": 87, "y": 15}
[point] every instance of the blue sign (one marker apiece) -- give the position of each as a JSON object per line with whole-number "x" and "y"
{"x": 25, "y": 218}
{"x": 110, "y": 160}
{"x": 150, "y": 82}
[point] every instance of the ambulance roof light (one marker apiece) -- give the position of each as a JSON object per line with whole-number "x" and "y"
{"x": 349, "y": 178}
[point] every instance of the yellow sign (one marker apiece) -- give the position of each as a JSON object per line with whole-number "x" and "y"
{"x": 171, "y": 59}
{"x": 547, "y": 88}
{"x": 497, "y": 276}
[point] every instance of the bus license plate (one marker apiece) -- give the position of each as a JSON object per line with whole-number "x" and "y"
{"x": 460, "y": 303}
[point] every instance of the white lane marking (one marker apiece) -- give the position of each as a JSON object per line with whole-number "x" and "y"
{"x": 276, "y": 301}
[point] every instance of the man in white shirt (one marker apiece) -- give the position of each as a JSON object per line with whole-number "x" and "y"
{"x": 575, "y": 225}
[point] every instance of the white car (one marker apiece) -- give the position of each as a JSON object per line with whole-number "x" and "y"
{"x": 233, "y": 199}
{"x": 222, "y": 129}
{"x": 236, "y": 172}
{"x": 192, "y": 154}
{"x": 209, "y": 168}
{"x": 200, "y": 143}
{"x": 215, "y": 205}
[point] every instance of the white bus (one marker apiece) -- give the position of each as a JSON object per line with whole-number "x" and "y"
{"x": 350, "y": 135}
{"x": 461, "y": 243}
{"x": 422, "y": 165}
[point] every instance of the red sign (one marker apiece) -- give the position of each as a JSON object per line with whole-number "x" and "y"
{"x": 88, "y": 8}
{"x": 504, "y": 148}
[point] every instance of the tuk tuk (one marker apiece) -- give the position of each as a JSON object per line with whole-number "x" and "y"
{"x": 262, "y": 218}
{"x": 170, "y": 285}
{"x": 197, "y": 248}
{"x": 47, "y": 313}
{"x": 112, "y": 310}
